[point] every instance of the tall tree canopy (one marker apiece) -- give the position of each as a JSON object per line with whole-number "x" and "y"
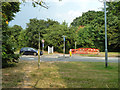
{"x": 95, "y": 20}
{"x": 14, "y": 33}
{"x": 34, "y": 27}
{"x": 51, "y": 31}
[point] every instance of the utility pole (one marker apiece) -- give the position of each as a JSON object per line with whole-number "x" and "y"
{"x": 106, "y": 51}
{"x": 39, "y": 52}
{"x": 64, "y": 46}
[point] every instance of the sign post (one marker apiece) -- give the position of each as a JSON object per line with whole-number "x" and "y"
{"x": 39, "y": 52}
{"x": 64, "y": 45}
{"x": 43, "y": 44}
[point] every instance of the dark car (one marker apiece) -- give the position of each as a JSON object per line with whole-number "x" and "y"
{"x": 29, "y": 51}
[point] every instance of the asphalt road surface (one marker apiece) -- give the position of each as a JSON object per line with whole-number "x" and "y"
{"x": 58, "y": 57}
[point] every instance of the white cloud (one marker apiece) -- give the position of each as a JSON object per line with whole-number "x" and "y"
{"x": 68, "y": 16}
{"x": 71, "y": 15}
{"x": 66, "y": 10}
{"x": 60, "y": 3}
{"x": 66, "y": 1}
{"x": 74, "y": 13}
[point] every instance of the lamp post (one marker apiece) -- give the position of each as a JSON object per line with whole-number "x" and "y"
{"x": 106, "y": 51}
{"x": 64, "y": 46}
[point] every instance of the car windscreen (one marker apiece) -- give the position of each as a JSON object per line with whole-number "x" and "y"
{"x": 31, "y": 49}
{"x": 24, "y": 49}
{"x": 28, "y": 49}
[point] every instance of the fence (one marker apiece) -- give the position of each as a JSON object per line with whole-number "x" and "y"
{"x": 85, "y": 51}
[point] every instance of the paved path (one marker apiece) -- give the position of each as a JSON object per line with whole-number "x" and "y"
{"x": 59, "y": 57}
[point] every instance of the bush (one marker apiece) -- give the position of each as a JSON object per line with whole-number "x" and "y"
{"x": 10, "y": 60}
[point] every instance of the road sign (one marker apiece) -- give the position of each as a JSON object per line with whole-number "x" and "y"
{"x": 64, "y": 38}
{"x": 43, "y": 45}
{"x": 43, "y": 40}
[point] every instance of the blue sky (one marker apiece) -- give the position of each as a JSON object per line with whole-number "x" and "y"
{"x": 65, "y": 10}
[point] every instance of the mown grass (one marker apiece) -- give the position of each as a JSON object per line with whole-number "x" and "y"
{"x": 13, "y": 76}
{"x": 102, "y": 54}
{"x": 89, "y": 74}
{"x": 62, "y": 75}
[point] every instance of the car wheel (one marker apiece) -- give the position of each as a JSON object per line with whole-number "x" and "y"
{"x": 35, "y": 54}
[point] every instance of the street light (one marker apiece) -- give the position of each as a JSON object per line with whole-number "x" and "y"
{"x": 106, "y": 51}
{"x": 64, "y": 45}
{"x": 106, "y": 56}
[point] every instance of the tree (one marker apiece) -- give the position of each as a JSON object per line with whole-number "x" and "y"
{"x": 54, "y": 37}
{"x": 34, "y": 27}
{"x": 8, "y": 12}
{"x": 95, "y": 20}
{"x": 113, "y": 9}
{"x": 91, "y": 36}
{"x": 51, "y": 31}
{"x": 14, "y": 33}
{"x": 22, "y": 39}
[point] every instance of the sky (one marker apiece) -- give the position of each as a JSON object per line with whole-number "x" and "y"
{"x": 65, "y": 10}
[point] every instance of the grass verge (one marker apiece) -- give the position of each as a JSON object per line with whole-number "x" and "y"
{"x": 102, "y": 54}
{"x": 61, "y": 75}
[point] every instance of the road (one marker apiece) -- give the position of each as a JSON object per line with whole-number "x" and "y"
{"x": 59, "y": 57}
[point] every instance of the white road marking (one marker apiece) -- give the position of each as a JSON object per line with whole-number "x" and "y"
{"x": 30, "y": 58}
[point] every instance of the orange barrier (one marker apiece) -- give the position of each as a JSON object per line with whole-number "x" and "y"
{"x": 85, "y": 51}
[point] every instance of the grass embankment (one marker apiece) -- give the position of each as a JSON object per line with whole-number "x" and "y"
{"x": 102, "y": 54}
{"x": 61, "y": 75}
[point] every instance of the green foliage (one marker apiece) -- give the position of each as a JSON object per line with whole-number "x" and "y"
{"x": 9, "y": 9}
{"x": 93, "y": 33}
{"x": 90, "y": 17}
{"x": 22, "y": 38}
{"x": 51, "y": 31}
{"x": 8, "y": 12}
{"x": 53, "y": 37}
{"x": 14, "y": 33}
{"x": 113, "y": 9}
{"x": 34, "y": 27}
